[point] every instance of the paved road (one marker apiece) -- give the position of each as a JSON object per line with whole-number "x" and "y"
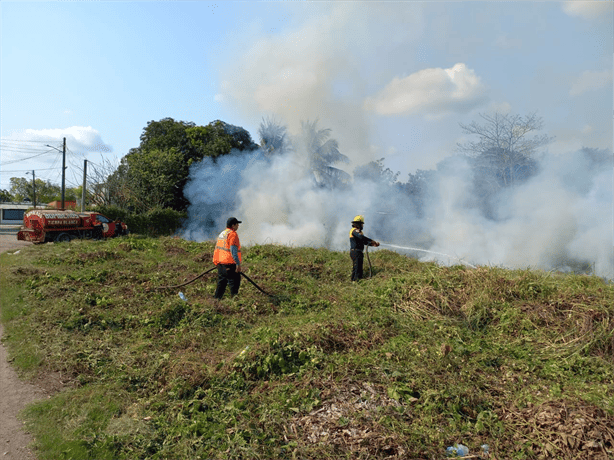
{"x": 9, "y": 242}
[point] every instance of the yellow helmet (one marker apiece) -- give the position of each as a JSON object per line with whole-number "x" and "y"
{"x": 359, "y": 219}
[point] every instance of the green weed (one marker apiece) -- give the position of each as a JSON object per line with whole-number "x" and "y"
{"x": 401, "y": 365}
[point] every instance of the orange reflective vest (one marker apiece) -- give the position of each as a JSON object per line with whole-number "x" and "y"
{"x": 225, "y": 240}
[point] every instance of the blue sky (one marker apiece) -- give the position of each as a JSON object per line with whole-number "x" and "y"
{"x": 390, "y": 79}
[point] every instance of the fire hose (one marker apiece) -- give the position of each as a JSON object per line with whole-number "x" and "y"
{"x": 369, "y": 260}
{"x": 208, "y": 271}
{"x": 256, "y": 286}
{"x": 187, "y": 282}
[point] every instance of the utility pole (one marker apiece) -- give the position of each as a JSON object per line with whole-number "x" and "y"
{"x": 63, "y": 173}
{"x": 33, "y": 188}
{"x": 84, "y": 185}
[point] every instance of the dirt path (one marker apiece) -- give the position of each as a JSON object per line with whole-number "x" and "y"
{"x": 16, "y": 394}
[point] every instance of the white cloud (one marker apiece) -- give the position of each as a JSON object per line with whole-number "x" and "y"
{"x": 589, "y": 81}
{"x": 433, "y": 92}
{"x": 78, "y": 138}
{"x": 589, "y": 9}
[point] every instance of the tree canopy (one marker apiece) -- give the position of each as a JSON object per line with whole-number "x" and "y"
{"x": 273, "y": 137}
{"x": 5, "y": 195}
{"x": 503, "y": 155}
{"x": 155, "y": 173}
{"x": 22, "y": 190}
{"x": 375, "y": 172}
{"x": 505, "y": 134}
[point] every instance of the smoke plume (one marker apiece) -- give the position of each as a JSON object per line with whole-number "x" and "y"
{"x": 559, "y": 219}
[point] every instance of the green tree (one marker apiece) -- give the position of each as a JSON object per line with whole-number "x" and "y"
{"x": 155, "y": 173}
{"x": 375, "y": 172}
{"x": 5, "y": 196}
{"x": 209, "y": 141}
{"x": 273, "y": 137}
{"x": 165, "y": 134}
{"x": 322, "y": 153}
{"x": 154, "y": 178}
{"x": 417, "y": 187}
{"x": 22, "y": 190}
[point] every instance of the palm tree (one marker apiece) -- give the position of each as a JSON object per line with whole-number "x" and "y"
{"x": 323, "y": 152}
{"x": 273, "y": 137}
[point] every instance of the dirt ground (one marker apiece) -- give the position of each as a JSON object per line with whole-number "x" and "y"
{"x": 16, "y": 394}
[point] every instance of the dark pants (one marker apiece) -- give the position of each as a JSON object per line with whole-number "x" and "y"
{"x": 227, "y": 274}
{"x": 357, "y": 260}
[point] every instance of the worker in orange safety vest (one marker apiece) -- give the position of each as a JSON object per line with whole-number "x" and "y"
{"x": 227, "y": 258}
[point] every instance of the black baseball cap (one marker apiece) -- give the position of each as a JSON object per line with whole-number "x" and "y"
{"x": 231, "y": 221}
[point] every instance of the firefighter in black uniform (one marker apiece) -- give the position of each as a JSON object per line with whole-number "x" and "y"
{"x": 358, "y": 241}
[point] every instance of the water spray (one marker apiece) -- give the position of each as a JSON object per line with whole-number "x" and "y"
{"x": 426, "y": 250}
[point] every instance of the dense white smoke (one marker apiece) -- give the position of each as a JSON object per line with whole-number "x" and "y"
{"x": 278, "y": 201}
{"x": 560, "y": 219}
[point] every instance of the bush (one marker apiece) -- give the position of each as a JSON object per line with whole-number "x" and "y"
{"x": 163, "y": 221}
{"x": 155, "y": 222}
{"x": 112, "y": 212}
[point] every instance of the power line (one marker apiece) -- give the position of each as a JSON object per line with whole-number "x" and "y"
{"x": 6, "y": 141}
{"x": 54, "y": 173}
{"x": 23, "y": 170}
{"x": 10, "y": 139}
{"x": 6, "y": 148}
{"x": 19, "y": 146}
{"x": 26, "y": 158}
{"x": 78, "y": 153}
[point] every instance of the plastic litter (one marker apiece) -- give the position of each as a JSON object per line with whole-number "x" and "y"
{"x": 485, "y": 449}
{"x": 183, "y": 297}
{"x": 457, "y": 450}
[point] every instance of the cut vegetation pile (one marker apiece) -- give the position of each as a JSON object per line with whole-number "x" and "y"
{"x": 403, "y": 365}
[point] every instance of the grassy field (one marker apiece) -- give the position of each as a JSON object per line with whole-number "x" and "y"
{"x": 399, "y": 366}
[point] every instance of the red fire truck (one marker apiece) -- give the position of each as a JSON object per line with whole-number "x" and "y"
{"x": 43, "y": 226}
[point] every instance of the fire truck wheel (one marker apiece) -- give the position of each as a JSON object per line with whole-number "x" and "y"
{"x": 62, "y": 238}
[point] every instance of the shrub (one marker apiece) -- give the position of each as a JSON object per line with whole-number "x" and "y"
{"x": 155, "y": 222}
